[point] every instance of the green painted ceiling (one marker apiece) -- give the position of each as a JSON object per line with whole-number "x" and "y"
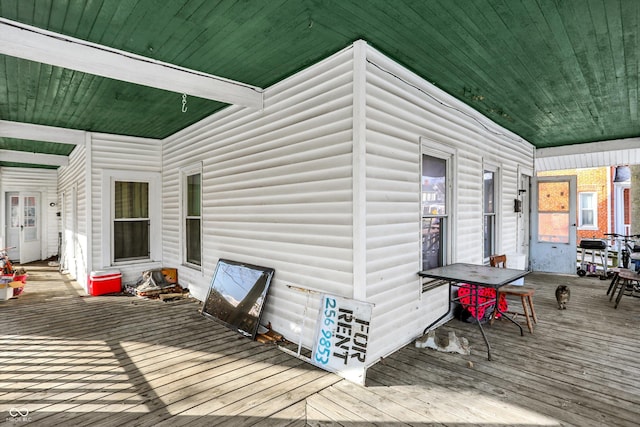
{"x": 556, "y": 72}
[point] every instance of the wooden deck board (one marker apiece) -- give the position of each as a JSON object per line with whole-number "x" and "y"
{"x": 292, "y": 415}
{"x": 72, "y": 359}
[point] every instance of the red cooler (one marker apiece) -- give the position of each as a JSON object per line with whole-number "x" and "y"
{"x": 105, "y": 282}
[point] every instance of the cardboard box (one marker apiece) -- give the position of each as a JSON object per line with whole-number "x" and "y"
{"x": 6, "y": 292}
{"x": 105, "y": 282}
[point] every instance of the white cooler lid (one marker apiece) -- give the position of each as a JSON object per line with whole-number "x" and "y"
{"x": 100, "y": 273}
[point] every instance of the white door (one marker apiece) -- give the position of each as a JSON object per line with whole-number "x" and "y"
{"x": 13, "y": 226}
{"x": 553, "y": 224}
{"x": 30, "y": 246}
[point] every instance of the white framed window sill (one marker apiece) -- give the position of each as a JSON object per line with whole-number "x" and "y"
{"x": 193, "y": 267}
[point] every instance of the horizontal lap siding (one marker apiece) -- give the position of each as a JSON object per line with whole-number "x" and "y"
{"x": 277, "y": 191}
{"x": 74, "y": 260}
{"x": 122, "y": 153}
{"x": 398, "y": 115}
{"x": 510, "y": 221}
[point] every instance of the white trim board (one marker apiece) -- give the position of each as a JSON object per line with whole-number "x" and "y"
{"x": 35, "y": 44}
{"x": 33, "y": 158}
{"x": 589, "y": 155}
{"x": 29, "y": 131}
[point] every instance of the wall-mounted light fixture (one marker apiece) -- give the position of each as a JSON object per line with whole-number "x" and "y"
{"x": 517, "y": 205}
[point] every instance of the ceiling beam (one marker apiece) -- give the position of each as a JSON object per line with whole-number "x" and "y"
{"x": 33, "y": 132}
{"x": 33, "y": 158}
{"x": 35, "y": 44}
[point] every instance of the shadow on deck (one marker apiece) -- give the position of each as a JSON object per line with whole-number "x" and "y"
{"x": 70, "y": 359}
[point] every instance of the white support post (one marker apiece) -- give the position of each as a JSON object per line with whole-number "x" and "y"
{"x": 359, "y": 171}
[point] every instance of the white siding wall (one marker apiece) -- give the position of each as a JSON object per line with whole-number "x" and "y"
{"x": 72, "y": 200}
{"x": 277, "y": 190}
{"x": 43, "y": 181}
{"x": 119, "y": 153}
{"x": 400, "y": 110}
{"x": 280, "y": 187}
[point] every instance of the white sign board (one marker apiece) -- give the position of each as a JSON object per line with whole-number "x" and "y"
{"x": 342, "y": 335}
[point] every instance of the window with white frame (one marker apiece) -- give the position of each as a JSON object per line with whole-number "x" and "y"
{"x": 435, "y": 208}
{"x": 588, "y": 212}
{"x": 131, "y": 221}
{"x": 489, "y": 215}
{"x": 132, "y": 202}
{"x": 192, "y": 216}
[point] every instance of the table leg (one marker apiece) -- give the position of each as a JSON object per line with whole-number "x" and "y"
{"x": 486, "y": 341}
{"x": 623, "y": 289}
{"x": 496, "y": 310}
{"x": 512, "y": 320}
{"x": 614, "y": 287}
{"x": 613, "y": 282}
{"x": 476, "y": 294}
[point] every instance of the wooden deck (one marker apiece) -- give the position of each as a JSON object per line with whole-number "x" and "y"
{"x": 69, "y": 359}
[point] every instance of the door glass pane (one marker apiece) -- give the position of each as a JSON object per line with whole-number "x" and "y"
{"x": 553, "y": 212}
{"x": 553, "y": 197}
{"x": 15, "y": 212}
{"x": 30, "y": 219}
{"x": 553, "y": 227}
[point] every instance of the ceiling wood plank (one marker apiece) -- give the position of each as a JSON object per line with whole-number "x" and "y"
{"x": 33, "y": 132}
{"x": 35, "y": 44}
{"x": 33, "y": 158}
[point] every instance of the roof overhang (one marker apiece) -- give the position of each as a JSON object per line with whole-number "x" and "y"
{"x": 589, "y": 155}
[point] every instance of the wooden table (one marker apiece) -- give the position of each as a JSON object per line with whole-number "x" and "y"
{"x": 482, "y": 276}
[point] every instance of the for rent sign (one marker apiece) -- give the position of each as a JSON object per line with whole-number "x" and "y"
{"x": 342, "y": 335}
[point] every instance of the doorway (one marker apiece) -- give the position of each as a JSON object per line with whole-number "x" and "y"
{"x": 23, "y": 229}
{"x": 553, "y": 220}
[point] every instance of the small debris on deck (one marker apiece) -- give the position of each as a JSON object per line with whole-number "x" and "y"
{"x": 449, "y": 344}
{"x": 160, "y": 284}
